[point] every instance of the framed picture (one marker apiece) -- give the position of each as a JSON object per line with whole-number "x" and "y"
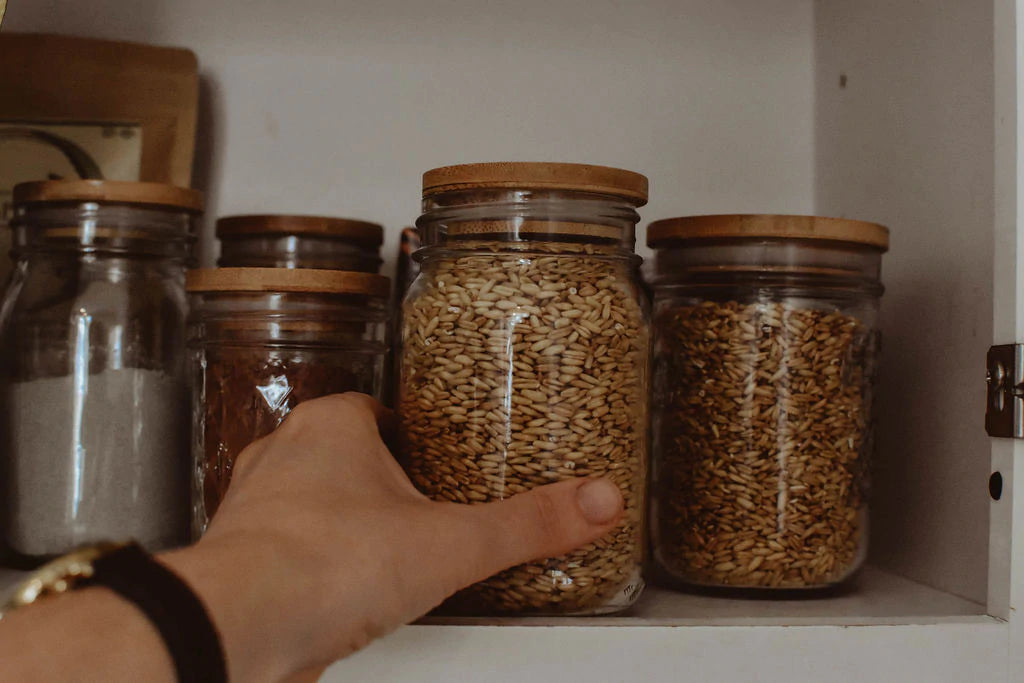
{"x": 31, "y": 150}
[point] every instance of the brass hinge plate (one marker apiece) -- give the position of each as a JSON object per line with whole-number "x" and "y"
{"x": 1004, "y": 412}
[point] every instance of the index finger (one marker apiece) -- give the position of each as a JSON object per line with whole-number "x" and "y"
{"x": 383, "y": 417}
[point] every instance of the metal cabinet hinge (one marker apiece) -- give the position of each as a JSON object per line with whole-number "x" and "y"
{"x": 1004, "y": 412}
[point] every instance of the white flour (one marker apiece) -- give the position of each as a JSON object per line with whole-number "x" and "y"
{"x": 104, "y": 461}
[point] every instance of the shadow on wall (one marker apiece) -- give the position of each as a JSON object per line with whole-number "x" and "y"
{"x": 892, "y": 472}
{"x": 904, "y": 468}
{"x": 207, "y": 164}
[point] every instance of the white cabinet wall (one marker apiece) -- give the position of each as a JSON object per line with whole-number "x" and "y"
{"x": 908, "y": 141}
{"x": 897, "y": 111}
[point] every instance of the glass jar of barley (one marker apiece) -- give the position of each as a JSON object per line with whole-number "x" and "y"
{"x": 764, "y": 355}
{"x": 524, "y": 361}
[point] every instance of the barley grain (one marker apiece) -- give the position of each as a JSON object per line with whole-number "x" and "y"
{"x": 763, "y": 438}
{"x": 541, "y": 396}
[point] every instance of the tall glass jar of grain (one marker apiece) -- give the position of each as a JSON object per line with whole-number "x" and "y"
{"x": 524, "y": 361}
{"x": 765, "y": 356}
{"x": 93, "y": 398}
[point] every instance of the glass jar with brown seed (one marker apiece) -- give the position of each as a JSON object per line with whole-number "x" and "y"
{"x": 765, "y": 354}
{"x": 263, "y": 340}
{"x": 525, "y": 361}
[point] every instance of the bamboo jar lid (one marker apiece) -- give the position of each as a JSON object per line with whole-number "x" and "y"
{"x": 529, "y": 175}
{"x": 727, "y": 226}
{"x": 347, "y": 229}
{"x": 305, "y": 280}
{"x": 113, "y": 191}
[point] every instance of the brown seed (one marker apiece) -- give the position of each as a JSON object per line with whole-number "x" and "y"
{"x": 763, "y": 434}
{"x": 532, "y": 381}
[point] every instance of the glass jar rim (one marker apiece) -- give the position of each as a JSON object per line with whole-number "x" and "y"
{"x": 283, "y": 280}
{"x": 519, "y": 248}
{"x": 678, "y": 231}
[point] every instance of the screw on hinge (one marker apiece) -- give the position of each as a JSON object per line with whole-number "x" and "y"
{"x": 995, "y": 376}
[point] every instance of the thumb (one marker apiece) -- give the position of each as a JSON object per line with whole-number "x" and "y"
{"x": 547, "y": 521}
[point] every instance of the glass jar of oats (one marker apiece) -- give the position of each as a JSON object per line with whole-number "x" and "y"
{"x": 524, "y": 361}
{"x": 764, "y": 363}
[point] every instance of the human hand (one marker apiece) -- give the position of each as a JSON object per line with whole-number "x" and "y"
{"x": 323, "y": 544}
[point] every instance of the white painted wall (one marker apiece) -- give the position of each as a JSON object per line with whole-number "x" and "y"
{"x": 325, "y": 106}
{"x": 909, "y": 142}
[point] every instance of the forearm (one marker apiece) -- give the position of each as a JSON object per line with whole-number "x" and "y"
{"x": 316, "y": 550}
{"x": 95, "y": 634}
{"x": 91, "y": 634}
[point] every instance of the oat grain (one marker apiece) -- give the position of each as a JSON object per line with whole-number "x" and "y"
{"x": 555, "y": 387}
{"x": 762, "y": 440}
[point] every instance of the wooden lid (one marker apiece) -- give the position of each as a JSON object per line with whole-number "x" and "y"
{"x": 114, "y": 191}
{"x": 692, "y": 228}
{"x": 535, "y": 228}
{"x": 363, "y": 232}
{"x": 286, "y": 280}
{"x": 529, "y": 175}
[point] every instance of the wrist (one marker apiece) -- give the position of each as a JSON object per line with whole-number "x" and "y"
{"x": 230, "y": 580}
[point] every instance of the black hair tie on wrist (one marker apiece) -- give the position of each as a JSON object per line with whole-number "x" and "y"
{"x": 173, "y": 608}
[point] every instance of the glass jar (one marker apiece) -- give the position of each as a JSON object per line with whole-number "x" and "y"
{"x": 407, "y": 267}
{"x": 765, "y": 353}
{"x": 279, "y": 241}
{"x": 524, "y": 361}
{"x": 93, "y": 431}
{"x": 406, "y": 270}
{"x": 261, "y": 341}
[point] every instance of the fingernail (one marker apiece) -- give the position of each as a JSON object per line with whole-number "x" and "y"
{"x": 600, "y": 500}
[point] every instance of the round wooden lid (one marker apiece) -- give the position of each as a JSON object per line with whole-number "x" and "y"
{"x": 362, "y": 232}
{"x": 692, "y": 228}
{"x": 537, "y": 176}
{"x": 115, "y": 191}
{"x": 286, "y": 280}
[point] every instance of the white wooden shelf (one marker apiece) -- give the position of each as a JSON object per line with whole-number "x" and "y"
{"x": 671, "y": 636}
{"x": 875, "y": 597}
{"x": 887, "y": 629}
{"x": 493, "y": 654}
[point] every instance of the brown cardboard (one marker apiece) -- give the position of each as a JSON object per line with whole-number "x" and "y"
{"x": 68, "y": 79}
{"x": 122, "y": 111}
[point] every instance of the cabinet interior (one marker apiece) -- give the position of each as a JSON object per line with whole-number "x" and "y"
{"x": 876, "y": 110}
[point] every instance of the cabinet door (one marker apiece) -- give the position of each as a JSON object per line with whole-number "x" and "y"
{"x": 1006, "y": 567}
